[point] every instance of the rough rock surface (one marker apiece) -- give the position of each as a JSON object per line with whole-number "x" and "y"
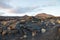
{"x": 29, "y": 28}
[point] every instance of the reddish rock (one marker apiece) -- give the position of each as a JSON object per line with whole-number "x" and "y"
{"x": 43, "y": 15}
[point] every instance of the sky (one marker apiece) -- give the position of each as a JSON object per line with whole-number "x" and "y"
{"x": 29, "y": 7}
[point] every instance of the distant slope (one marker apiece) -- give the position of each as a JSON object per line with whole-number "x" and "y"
{"x": 43, "y": 15}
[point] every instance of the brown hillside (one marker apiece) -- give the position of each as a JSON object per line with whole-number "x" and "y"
{"x": 43, "y": 15}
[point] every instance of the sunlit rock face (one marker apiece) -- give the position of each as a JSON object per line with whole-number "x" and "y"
{"x": 29, "y": 28}
{"x": 43, "y": 15}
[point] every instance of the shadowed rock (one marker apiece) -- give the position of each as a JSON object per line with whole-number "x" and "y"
{"x": 39, "y": 27}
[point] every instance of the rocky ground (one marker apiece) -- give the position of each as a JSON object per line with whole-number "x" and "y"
{"x": 30, "y": 28}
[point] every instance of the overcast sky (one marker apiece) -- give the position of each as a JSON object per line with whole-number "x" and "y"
{"x": 29, "y": 7}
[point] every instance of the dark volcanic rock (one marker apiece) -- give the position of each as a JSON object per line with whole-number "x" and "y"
{"x": 30, "y": 28}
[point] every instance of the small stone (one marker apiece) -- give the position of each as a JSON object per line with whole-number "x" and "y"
{"x": 58, "y": 21}
{"x": 21, "y": 37}
{"x": 34, "y": 33}
{"x": 22, "y": 20}
{"x": 25, "y": 36}
{"x": 4, "y": 32}
{"x": 43, "y": 30}
{"x": 4, "y": 22}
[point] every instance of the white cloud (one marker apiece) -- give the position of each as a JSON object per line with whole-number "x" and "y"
{"x": 49, "y": 10}
{"x": 29, "y": 7}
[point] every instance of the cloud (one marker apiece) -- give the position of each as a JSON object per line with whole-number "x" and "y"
{"x": 30, "y": 7}
{"x": 23, "y": 10}
{"x": 4, "y": 5}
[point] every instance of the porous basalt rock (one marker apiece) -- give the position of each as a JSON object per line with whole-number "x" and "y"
{"x": 30, "y": 28}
